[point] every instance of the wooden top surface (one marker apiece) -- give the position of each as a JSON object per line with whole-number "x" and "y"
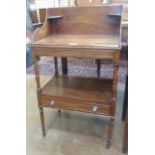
{"x": 83, "y": 41}
{"x": 85, "y": 89}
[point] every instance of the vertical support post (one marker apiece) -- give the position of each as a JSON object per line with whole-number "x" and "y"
{"x": 38, "y": 94}
{"x": 110, "y": 130}
{"x": 98, "y": 62}
{"x": 114, "y": 90}
{"x": 36, "y": 72}
{"x": 56, "y": 65}
{"x": 64, "y": 66}
{"x": 125, "y": 101}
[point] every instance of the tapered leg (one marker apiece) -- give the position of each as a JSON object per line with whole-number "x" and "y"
{"x": 98, "y": 62}
{"x": 42, "y": 121}
{"x": 110, "y": 130}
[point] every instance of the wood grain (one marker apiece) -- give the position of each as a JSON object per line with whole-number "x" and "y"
{"x": 69, "y": 104}
{"x": 84, "y": 32}
{"x": 83, "y": 89}
{"x": 86, "y": 20}
{"x": 83, "y": 41}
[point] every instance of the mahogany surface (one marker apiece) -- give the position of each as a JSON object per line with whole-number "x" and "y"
{"x": 83, "y": 41}
{"x": 86, "y": 20}
{"x": 80, "y": 32}
{"x": 85, "y": 89}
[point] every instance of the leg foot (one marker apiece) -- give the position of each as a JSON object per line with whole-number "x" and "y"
{"x": 108, "y": 144}
{"x": 110, "y": 130}
{"x": 42, "y": 121}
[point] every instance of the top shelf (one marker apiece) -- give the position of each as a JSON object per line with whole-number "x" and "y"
{"x": 54, "y": 17}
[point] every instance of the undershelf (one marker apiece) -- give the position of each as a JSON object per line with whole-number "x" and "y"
{"x": 86, "y": 89}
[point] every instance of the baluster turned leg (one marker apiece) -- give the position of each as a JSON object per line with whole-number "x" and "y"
{"x": 114, "y": 91}
{"x": 42, "y": 121}
{"x": 38, "y": 93}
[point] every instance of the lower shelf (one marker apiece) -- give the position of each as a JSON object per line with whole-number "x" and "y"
{"x": 89, "y": 95}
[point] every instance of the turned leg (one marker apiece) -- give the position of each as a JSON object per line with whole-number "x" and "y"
{"x": 98, "y": 62}
{"x": 110, "y": 130}
{"x": 42, "y": 121}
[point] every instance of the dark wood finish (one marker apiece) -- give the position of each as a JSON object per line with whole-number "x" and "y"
{"x": 125, "y": 138}
{"x": 84, "y": 89}
{"x": 124, "y": 27}
{"x": 64, "y": 66}
{"x": 42, "y": 121}
{"x": 125, "y": 101}
{"x": 82, "y": 21}
{"x": 71, "y": 37}
{"x": 75, "y": 105}
{"x": 81, "y": 41}
{"x": 98, "y": 67}
{"x": 74, "y": 52}
{"x": 81, "y": 3}
{"x": 56, "y": 66}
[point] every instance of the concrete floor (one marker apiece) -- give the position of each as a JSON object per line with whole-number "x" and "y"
{"x": 70, "y": 133}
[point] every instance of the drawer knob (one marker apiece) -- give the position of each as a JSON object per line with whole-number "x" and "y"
{"x": 95, "y": 108}
{"x": 52, "y": 103}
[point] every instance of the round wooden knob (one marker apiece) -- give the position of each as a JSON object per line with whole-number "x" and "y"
{"x": 52, "y": 103}
{"x": 94, "y": 108}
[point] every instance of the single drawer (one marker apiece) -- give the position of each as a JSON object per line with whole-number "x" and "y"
{"x": 76, "y": 106}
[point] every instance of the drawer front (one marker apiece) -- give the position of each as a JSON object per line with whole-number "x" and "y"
{"x": 76, "y": 106}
